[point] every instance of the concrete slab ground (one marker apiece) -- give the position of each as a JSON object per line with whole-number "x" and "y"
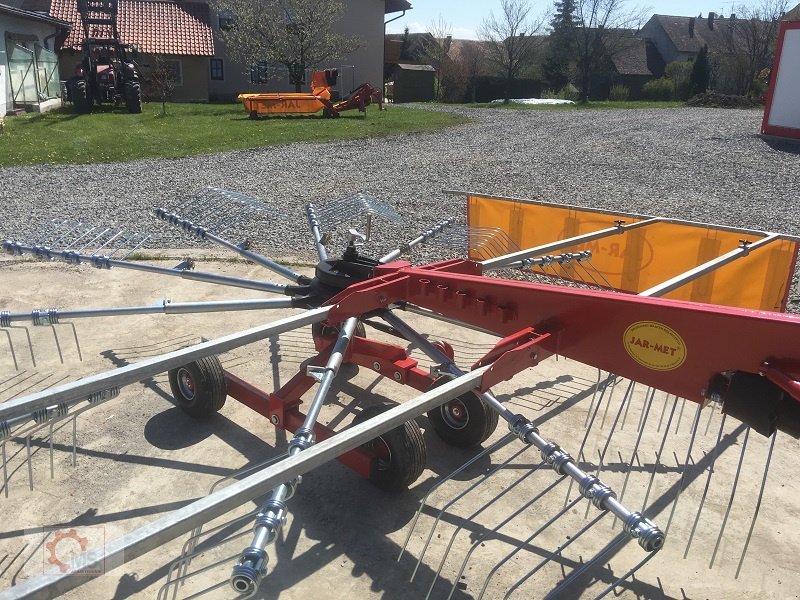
{"x": 139, "y": 457}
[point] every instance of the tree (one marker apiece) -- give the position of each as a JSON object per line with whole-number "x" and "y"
{"x": 557, "y": 64}
{"x": 701, "y": 73}
{"x": 509, "y": 40}
{"x": 161, "y": 82}
{"x": 470, "y": 61}
{"x": 435, "y": 50}
{"x": 297, "y": 34}
{"x": 750, "y": 40}
{"x": 603, "y": 30}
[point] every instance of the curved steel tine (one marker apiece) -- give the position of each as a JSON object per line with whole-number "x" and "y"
{"x": 659, "y": 453}
{"x": 469, "y": 519}
{"x": 732, "y": 496}
{"x": 554, "y": 553}
{"x": 58, "y": 345}
{"x": 164, "y": 589}
{"x": 680, "y": 415}
{"x": 630, "y": 572}
{"x": 30, "y": 342}
{"x": 477, "y": 543}
{"x": 758, "y": 505}
{"x": 474, "y": 485}
{"x": 509, "y": 437}
{"x": 614, "y": 543}
{"x": 635, "y": 453}
{"x": 496, "y": 567}
{"x": 602, "y": 454}
{"x": 11, "y": 347}
{"x": 714, "y": 455}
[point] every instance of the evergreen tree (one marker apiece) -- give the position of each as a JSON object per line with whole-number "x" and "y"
{"x": 556, "y": 66}
{"x": 701, "y": 73}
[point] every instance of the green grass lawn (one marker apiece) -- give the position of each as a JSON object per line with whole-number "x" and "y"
{"x": 598, "y": 105}
{"x": 187, "y": 129}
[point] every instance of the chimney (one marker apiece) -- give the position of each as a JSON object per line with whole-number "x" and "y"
{"x": 711, "y": 17}
{"x": 692, "y": 21}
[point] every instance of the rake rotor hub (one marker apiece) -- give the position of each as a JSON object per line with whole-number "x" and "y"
{"x": 649, "y": 536}
{"x": 249, "y": 571}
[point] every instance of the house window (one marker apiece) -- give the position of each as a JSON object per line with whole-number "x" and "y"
{"x": 259, "y": 73}
{"x": 226, "y": 20}
{"x": 217, "y": 71}
{"x": 175, "y": 67}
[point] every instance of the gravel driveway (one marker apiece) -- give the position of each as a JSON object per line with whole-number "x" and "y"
{"x": 700, "y": 164}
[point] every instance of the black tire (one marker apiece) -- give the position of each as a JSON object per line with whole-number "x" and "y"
{"x": 464, "y": 422}
{"x": 401, "y": 452}
{"x": 133, "y": 96}
{"x": 82, "y": 102}
{"x": 199, "y": 387}
{"x": 253, "y": 115}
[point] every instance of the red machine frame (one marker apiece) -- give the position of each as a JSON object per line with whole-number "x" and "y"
{"x": 536, "y": 321}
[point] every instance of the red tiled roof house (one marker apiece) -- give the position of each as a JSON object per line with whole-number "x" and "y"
{"x": 179, "y": 32}
{"x": 186, "y": 35}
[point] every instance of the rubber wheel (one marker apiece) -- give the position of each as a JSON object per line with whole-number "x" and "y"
{"x": 464, "y": 422}
{"x": 401, "y": 452}
{"x": 199, "y": 387}
{"x": 253, "y": 115}
{"x": 133, "y": 96}
{"x": 79, "y": 98}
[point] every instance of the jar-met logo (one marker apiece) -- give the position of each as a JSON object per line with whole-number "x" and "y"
{"x": 654, "y": 345}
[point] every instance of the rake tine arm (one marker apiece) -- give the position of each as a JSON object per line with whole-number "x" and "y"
{"x": 313, "y": 223}
{"x": 203, "y": 234}
{"x": 251, "y": 568}
{"x": 86, "y": 388}
{"x": 53, "y": 316}
{"x": 105, "y": 262}
{"x": 649, "y": 536}
{"x": 160, "y": 531}
{"x": 619, "y": 228}
{"x": 421, "y": 239}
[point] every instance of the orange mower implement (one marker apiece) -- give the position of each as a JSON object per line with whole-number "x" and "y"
{"x": 319, "y": 99}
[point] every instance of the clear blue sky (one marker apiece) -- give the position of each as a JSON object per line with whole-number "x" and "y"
{"x": 464, "y": 16}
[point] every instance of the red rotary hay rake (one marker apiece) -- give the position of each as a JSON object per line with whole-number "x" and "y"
{"x": 656, "y": 306}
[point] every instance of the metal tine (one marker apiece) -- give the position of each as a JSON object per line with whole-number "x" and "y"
{"x": 504, "y": 441}
{"x": 480, "y": 540}
{"x": 617, "y": 541}
{"x": 597, "y": 389}
{"x": 496, "y": 567}
{"x": 635, "y": 454}
{"x": 5, "y": 324}
{"x": 472, "y": 487}
{"x": 588, "y": 428}
{"x": 680, "y": 416}
{"x": 163, "y": 591}
{"x": 191, "y": 543}
{"x": 732, "y": 496}
{"x": 714, "y": 455}
{"x": 659, "y": 453}
{"x": 685, "y": 467}
{"x": 758, "y": 505}
{"x": 11, "y": 348}
{"x": 139, "y": 245}
{"x": 602, "y": 454}
{"x": 554, "y": 553}
{"x": 632, "y": 571}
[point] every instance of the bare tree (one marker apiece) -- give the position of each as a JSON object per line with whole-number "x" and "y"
{"x": 509, "y": 40}
{"x": 749, "y": 38}
{"x": 470, "y": 60}
{"x": 161, "y": 82}
{"x": 435, "y": 51}
{"x": 602, "y": 30}
{"x": 295, "y": 33}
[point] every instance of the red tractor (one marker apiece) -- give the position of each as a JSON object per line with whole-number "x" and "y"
{"x": 108, "y": 72}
